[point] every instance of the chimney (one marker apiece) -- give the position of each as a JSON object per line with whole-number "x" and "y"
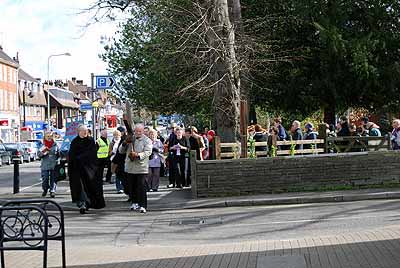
{"x": 1, "y": 47}
{"x": 74, "y": 79}
{"x": 79, "y": 82}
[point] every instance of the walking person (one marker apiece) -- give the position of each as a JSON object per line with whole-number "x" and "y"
{"x": 103, "y": 145}
{"x": 155, "y": 163}
{"x": 86, "y": 187}
{"x": 49, "y": 154}
{"x": 113, "y": 152}
{"x": 119, "y": 162}
{"x": 138, "y": 148}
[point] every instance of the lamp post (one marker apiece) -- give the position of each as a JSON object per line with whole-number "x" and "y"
{"x": 48, "y": 84}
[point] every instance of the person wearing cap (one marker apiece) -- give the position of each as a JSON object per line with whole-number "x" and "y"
{"x": 373, "y": 129}
{"x": 309, "y": 134}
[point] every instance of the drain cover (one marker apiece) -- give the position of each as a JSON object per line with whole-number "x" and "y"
{"x": 197, "y": 221}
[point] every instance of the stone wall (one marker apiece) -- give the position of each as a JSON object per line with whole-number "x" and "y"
{"x": 281, "y": 174}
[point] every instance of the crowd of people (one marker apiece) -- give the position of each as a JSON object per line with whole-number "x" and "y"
{"x": 137, "y": 157}
{"x": 309, "y": 132}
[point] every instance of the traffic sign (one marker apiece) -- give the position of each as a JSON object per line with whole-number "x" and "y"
{"x": 85, "y": 106}
{"x": 104, "y": 82}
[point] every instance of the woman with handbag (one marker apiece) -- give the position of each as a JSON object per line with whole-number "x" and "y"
{"x": 155, "y": 163}
{"x": 49, "y": 154}
{"x": 113, "y": 152}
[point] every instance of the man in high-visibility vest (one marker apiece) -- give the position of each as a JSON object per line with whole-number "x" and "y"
{"x": 103, "y": 145}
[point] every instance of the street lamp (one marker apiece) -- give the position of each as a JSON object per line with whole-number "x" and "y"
{"x": 48, "y": 84}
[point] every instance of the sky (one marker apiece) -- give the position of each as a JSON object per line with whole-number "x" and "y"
{"x": 37, "y": 29}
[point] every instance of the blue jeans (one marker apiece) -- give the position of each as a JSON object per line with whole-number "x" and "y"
{"x": 118, "y": 184}
{"x": 49, "y": 180}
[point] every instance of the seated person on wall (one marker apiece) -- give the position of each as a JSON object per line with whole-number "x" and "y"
{"x": 297, "y": 134}
{"x": 260, "y": 135}
{"x": 396, "y": 134}
{"x": 310, "y": 134}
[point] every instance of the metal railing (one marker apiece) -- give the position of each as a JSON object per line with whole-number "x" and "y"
{"x": 28, "y": 224}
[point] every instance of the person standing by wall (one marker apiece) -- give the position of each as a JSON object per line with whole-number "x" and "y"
{"x": 86, "y": 187}
{"x": 138, "y": 148}
{"x": 49, "y": 154}
{"x": 179, "y": 148}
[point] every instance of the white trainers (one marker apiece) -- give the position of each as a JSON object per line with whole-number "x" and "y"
{"x": 142, "y": 210}
{"x": 135, "y": 206}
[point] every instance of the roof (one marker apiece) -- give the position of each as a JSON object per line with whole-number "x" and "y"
{"x": 39, "y": 97}
{"x": 79, "y": 90}
{"x": 7, "y": 59}
{"x": 22, "y": 75}
{"x": 64, "y": 97}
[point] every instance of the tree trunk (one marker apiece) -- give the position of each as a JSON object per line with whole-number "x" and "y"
{"x": 226, "y": 74}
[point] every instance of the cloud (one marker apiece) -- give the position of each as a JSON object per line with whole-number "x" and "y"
{"x": 39, "y": 28}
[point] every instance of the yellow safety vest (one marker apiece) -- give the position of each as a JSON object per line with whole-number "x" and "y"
{"x": 102, "y": 152}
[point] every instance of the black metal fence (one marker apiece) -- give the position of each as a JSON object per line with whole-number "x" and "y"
{"x": 29, "y": 224}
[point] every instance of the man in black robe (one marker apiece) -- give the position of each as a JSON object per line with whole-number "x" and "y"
{"x": 86, "y": 187}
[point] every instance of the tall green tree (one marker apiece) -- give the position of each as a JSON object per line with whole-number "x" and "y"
{"x": 339, "y": 54}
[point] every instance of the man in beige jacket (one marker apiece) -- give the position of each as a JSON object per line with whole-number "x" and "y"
{"x": 138, "y": 149}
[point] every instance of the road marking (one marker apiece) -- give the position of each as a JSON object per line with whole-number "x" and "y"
{"x": 33, "y": 185}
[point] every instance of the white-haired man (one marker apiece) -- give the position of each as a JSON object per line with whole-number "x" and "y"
{"x": 86, "y": 188}
{"x": 138, "y": 149}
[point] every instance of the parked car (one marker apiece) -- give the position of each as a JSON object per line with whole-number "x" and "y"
{"x": 18, "y": 152}
{"x": 38, "y": 142}
{"x": 32, "y": 149}
{"x": 5, "y": 156}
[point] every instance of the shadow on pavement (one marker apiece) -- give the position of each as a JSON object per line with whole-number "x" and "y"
{"x": 374, "y": 254}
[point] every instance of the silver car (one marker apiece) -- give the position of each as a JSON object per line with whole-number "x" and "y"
{"x": 32, "y": 150}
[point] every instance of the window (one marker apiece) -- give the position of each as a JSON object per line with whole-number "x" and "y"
{"x": 15, "y": 102}
{"x": 8, "y": 74}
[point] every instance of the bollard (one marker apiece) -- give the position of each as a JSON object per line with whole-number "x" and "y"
{"x": 16, "y": 176}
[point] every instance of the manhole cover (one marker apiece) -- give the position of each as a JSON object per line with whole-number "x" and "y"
{"x": 197, "y": 221}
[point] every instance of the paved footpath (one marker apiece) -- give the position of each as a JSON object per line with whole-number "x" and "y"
{"x": 373, "y": 249}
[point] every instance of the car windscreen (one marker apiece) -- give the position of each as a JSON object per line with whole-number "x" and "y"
{"x": 10, "y": 145}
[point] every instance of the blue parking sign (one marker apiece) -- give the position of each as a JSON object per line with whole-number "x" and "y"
{"x": 104, "y": 82}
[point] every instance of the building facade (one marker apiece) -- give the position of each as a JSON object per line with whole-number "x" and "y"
{"x": 32, "y": 105}
{"x": 9, "y": 111}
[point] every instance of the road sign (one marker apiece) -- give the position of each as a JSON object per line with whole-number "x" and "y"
{"x": 104, "y": 82}
{"x": 85, "y": 106}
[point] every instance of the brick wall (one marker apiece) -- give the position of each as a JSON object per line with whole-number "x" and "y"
{"x": 273, "y": 175}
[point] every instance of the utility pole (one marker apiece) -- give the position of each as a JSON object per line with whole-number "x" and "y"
{"x": 93, "y": 108}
